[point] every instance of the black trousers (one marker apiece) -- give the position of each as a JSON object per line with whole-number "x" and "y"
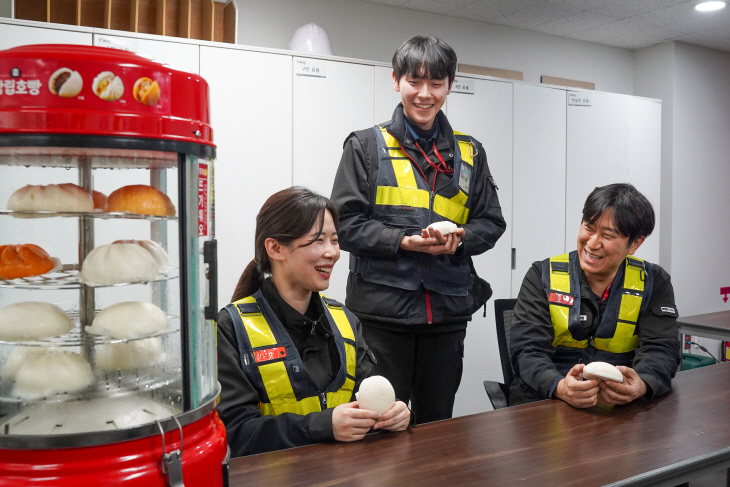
{"x": 424, "y": 368}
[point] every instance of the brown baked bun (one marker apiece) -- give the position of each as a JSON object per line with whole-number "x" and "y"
{"x": 140, "y": 199}
{"x": 23, "y": 261}
{"x": 146, "y": 91}
{"x": 100, "y": 200}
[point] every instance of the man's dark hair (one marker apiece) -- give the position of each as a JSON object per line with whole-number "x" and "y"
{"x": 427, "y": 57}
{"x": 632, "y": 212}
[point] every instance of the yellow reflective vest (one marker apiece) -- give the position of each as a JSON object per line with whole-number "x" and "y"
{"x": 273, "y": 366}
{"x": 618, "y": 330}
{"x": 404, "y": 199}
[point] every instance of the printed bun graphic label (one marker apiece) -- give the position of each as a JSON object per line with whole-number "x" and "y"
{"x": 65, "y": 83}
{"x": 146, "y": 91}
{"x": 107, "y": 86}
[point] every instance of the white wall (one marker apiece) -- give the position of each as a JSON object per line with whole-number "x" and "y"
{"x": 372, "y": 31}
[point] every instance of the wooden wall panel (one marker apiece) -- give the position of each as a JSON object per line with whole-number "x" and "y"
{"x": 32, "y": 10}
{"x": 63, "y": 11}
{"x": 218, "y": 17}
{"x": 207, "y": 15}
{"x": 92, "y": 13}
{"x": 116, "y": 14}
{"x": 229, "y": 22}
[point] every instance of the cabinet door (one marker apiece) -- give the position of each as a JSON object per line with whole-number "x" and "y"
{"x": 20, "y": 35}
{"x": 645, "y": 159}
{"x": 487, "y": 116}
{"x": 538, "y": 188}
{"x": 250, "y": 99}
{"x": 180, "y": 55}
{"x": 326, "y": 109}
{"x": 598, "y": 152}
{"x": 386, "y": 98}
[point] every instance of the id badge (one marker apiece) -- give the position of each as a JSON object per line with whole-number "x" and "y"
{"x": 465, "y": 177}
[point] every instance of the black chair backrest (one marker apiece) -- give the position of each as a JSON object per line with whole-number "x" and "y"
{"x": 503, "y": 311}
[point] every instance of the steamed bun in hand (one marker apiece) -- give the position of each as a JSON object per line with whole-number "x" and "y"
{"x": 602, "y": 370}
{"x": 376, "y": 394}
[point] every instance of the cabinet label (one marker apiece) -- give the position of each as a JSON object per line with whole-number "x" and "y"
{"x": 310, "y": 67}
{"x": 581, "y": 99}
{"x": 115, "y": 43}
{"x": 463, "y": 85}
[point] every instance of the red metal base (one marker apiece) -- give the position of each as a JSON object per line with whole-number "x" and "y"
{"x": 136, "y": 462}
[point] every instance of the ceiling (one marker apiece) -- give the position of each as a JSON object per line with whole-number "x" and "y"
{"x": 623, "y": 23}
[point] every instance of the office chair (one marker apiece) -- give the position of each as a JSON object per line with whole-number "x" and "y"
{"x": 497, "y": 392}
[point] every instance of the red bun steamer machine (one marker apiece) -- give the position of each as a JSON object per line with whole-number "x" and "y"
{"x": 135, "y": 406}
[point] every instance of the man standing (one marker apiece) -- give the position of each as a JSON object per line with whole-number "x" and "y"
{"x": 598, "y": 303}
{"x": 413, "y": 288}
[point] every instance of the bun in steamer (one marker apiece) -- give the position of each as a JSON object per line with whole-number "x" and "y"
{"x": 140, "y": 199}
{"x": 136, "y": 354}
{"x": 118, "y": 263}
{"x": 131, "y": 319}
{"x": 155, "y": 249}
{"x": 24, "y": 260}
{"x": 41, "y": 371}
{"x": 52, "y": 197}
{"x": 100, "y": 200}
{"x": 33, "y": 320}
{"x": 376, "y": 394}
{"x": 65, "y": 83}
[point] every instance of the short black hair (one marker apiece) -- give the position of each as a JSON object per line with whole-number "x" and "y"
{"x": 632, "y": 212}
{"x": 425, "y": 56}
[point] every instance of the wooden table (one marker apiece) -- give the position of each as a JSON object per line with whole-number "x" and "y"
{"x": 710, "y": 325}
{"x": 682, "y": 435}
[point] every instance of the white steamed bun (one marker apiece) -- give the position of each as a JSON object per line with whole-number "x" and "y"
{"x": 40, "y": 372}
{"x": 136, "y": 354}
{"x": 118, "y": 263}
{"x": 155, "y": 249}
{"x": 131, "y": 319}
{"x": 52, "y": 197}
{"x": 376, "y": 394}
{"x": 445, "y": 227}
{"x": 602, "y": 370}
{"x": 33, "y": 320}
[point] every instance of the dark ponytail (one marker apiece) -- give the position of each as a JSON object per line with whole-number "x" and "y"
{"x": 286, "y": 216}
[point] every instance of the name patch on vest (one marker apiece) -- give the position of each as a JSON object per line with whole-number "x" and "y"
{"x": 668, "y": 310}
{"x": 269, "y": 354}
{"x": 561, "y": 299}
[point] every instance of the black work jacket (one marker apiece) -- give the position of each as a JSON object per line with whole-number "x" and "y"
{"x": 360, "y": 234}
{"x": 536, "y": 366}
{"x": 248, "y": 431}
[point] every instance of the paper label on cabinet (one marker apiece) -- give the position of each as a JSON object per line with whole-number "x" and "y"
{"x": 310, "y": 67}
{"x": 579, "y": 99}
{"x": 115, "y": 43}
{"x": 463, "y": 85}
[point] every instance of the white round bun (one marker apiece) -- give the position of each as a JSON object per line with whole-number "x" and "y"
{"x": 445, "y": 227}
{"x": 70, "y": 87}
{"x": 376, "y": 394}
{"x": 41, "y": 372}
{"x": 33, "y": 320}
{"x": 52, "y": 197}
{"x": 118, "y": 263}
{"x": 137, "y": 354}
{"x": 131, "y": 319}
{"x": 602, "y": 370}
{"x": 155, "y": 249}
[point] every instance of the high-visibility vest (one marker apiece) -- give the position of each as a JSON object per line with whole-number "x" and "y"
{"x": 404, "y": 199}
{"x": 273, "y": 366}
{"x": 628, "y": 298}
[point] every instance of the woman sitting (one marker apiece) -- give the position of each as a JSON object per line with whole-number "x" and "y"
{"x": 290, "y": 359}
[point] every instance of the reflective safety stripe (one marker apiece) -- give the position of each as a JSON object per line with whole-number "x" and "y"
{"x": 623, "y": 340}
{"x": 404, "y": 174}
{"x": 343, "y": 324}
{"x": 342, "y": 396}
{"x": 258, "y": 330}
{"x": 630, "y": 307}
{"x": 560, "y": 281}
{"x": 391, "y": 196}
{"x": 460, "y": 199}
{"x": 559, "y": 317}
{"x": 449, "y": 209}
{"x": 305, "y": 406}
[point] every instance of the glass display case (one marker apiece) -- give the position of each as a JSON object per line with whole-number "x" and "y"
{"x": 107, "y": 271}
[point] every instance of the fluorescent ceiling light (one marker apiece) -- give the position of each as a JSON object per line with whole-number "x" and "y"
{"x": 709, "y": 6}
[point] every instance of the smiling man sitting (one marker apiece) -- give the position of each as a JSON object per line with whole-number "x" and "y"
{"x": 599, "y": 303}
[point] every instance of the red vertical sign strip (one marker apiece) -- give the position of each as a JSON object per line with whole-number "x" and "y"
{"x": 202, "y": 200}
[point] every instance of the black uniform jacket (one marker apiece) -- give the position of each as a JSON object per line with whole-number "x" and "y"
{"x": 248, "y": 431}
{"x": 656, "y": 358}
{"x": 353, "y": 189}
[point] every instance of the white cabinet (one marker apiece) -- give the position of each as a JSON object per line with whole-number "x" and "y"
{"x": 250, "y": 99}
{"x": 616, "y": 139}
{"x": 184, "y": 56}
{"x": 20, "y": 35}
{"x": 538, "y": 194}
{"x": 386, "y": 98}
{"x": 487, "y": 116}
{"x": 326, "y": 110}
